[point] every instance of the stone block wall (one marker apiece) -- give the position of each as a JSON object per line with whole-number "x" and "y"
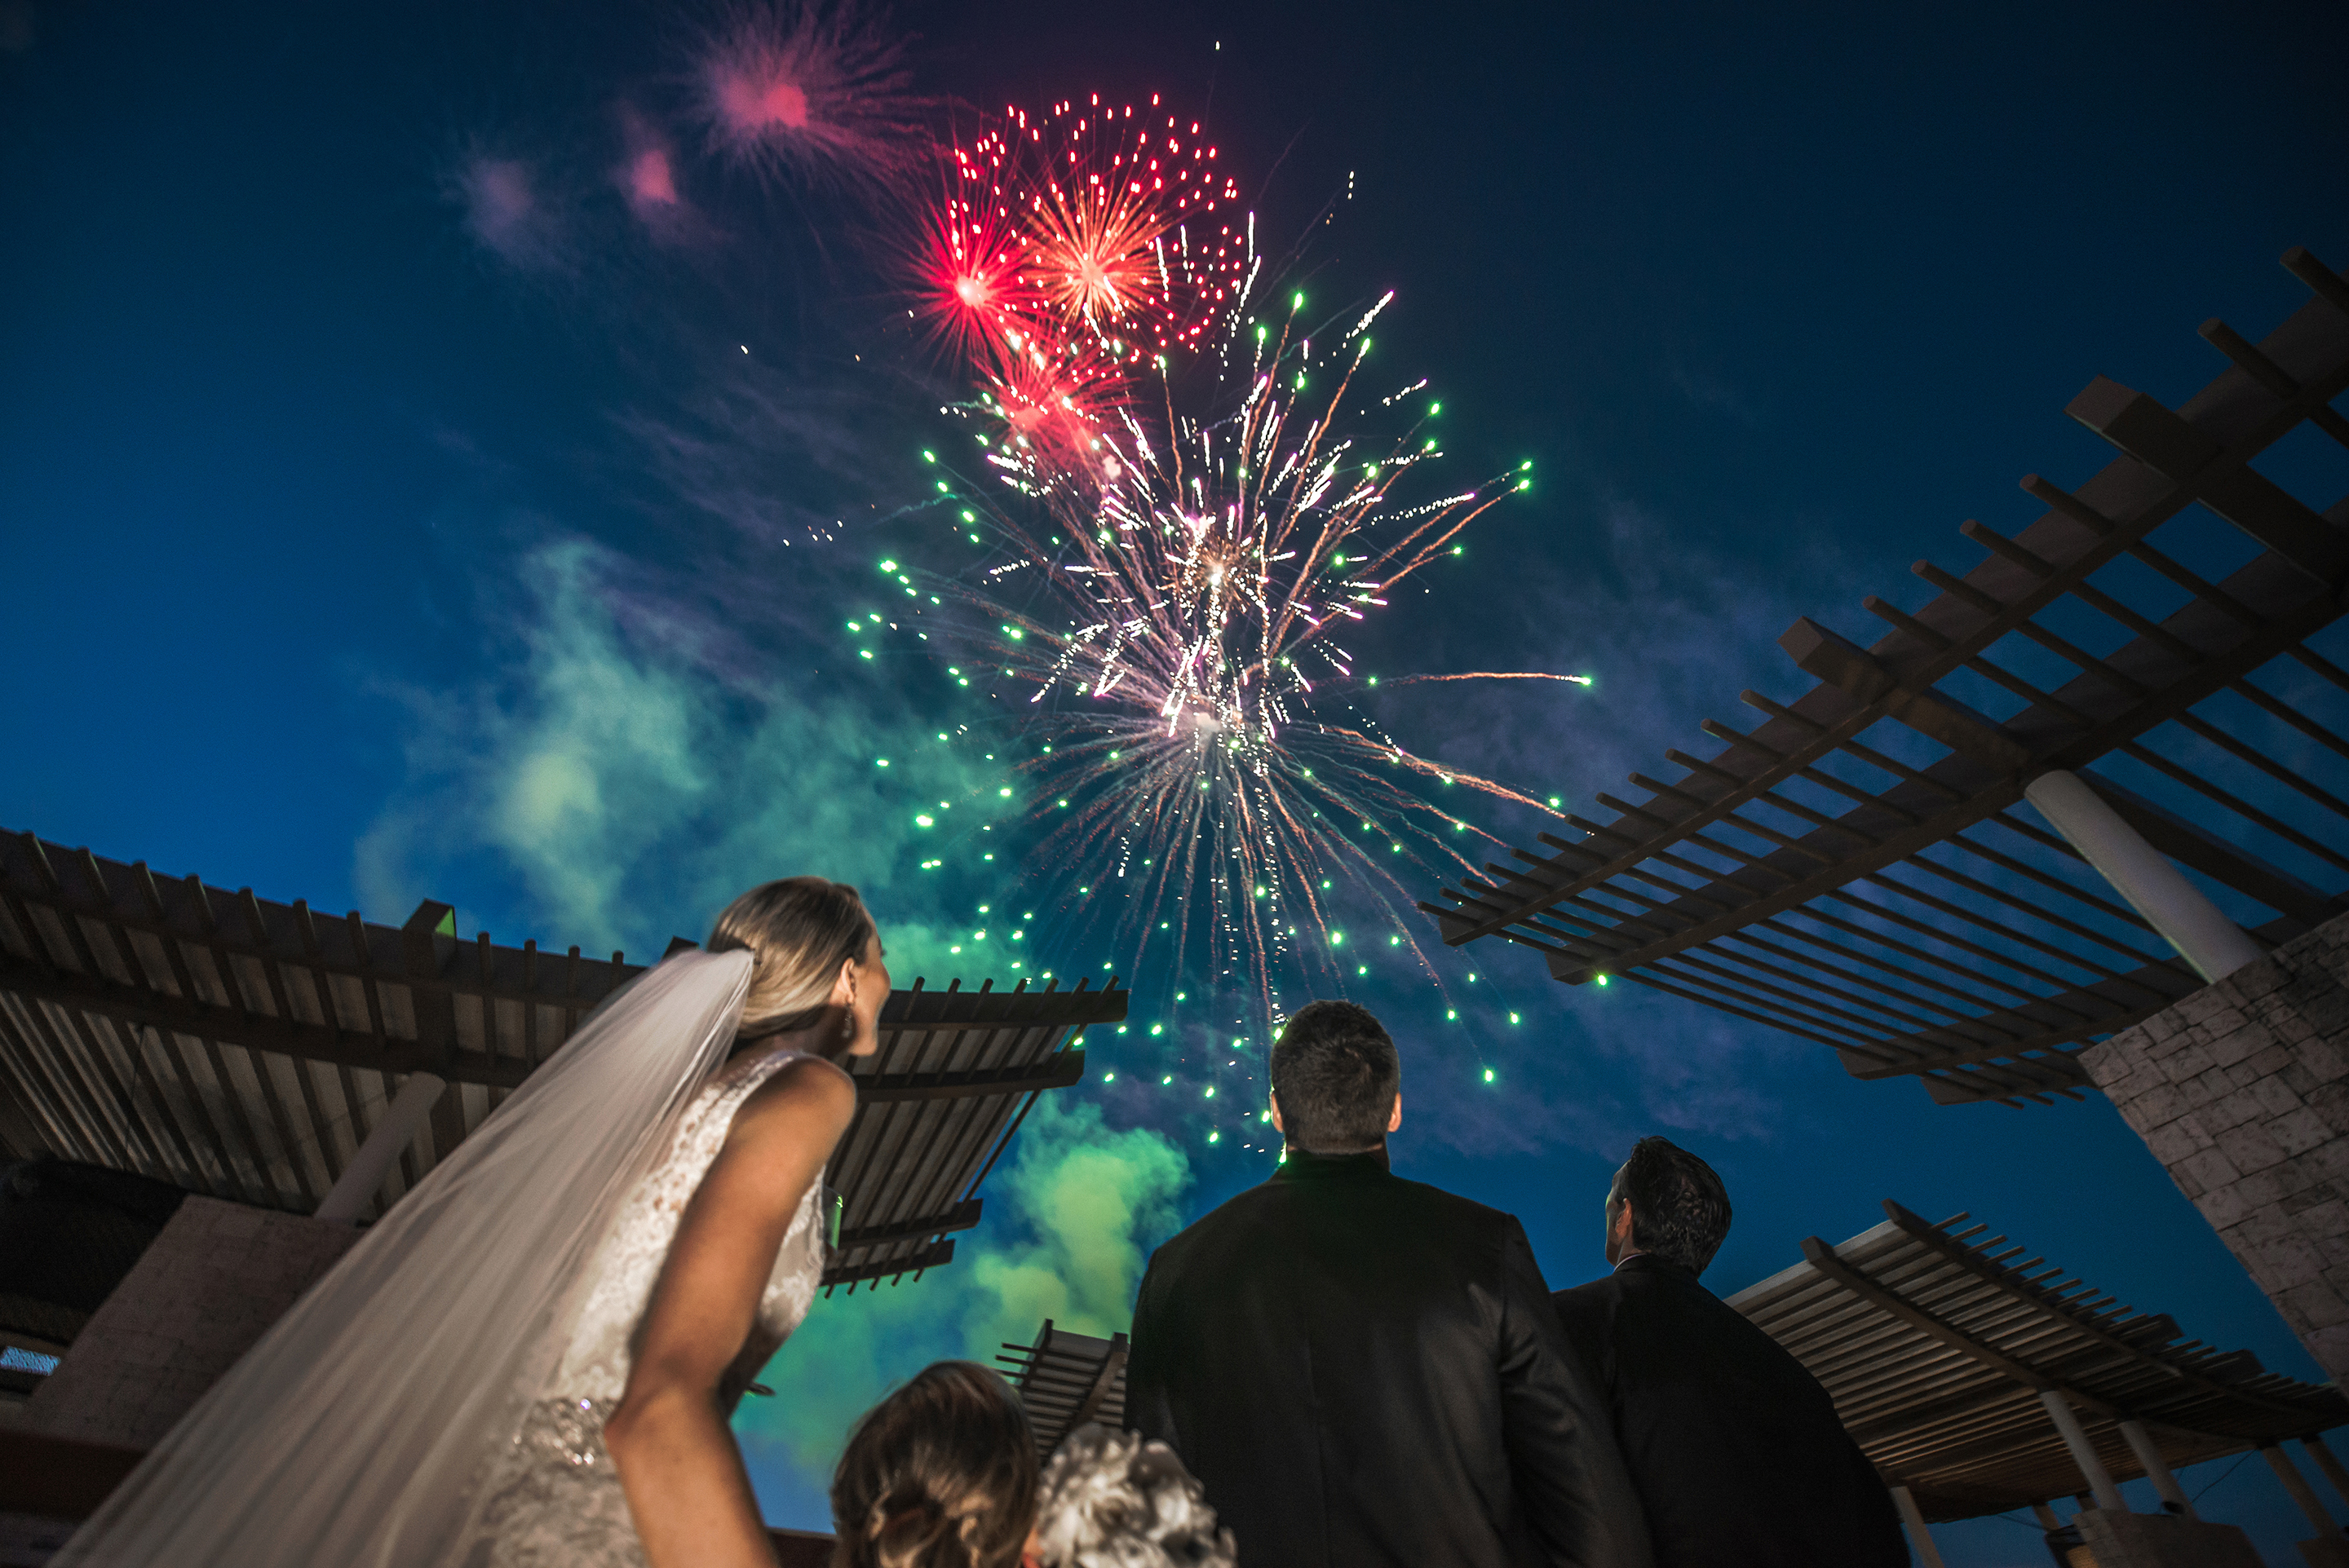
{"x": 2241, "y": 1091}
{"x": 2162, "y": 1540}
{"x": 210, "y": 1286}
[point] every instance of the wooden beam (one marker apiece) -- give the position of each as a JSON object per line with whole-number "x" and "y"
{"x": 1839, "y": 662}
{"x": 2022, "y": 1291}
{"x": 1853, "y": 1280}
{"x": 2157, "y": 438}
{"x": 2171, "y": 970}
{"x": 961, "y": 1217}
{"x": 931, "y": 1257}
{"x": 1059, "y": 1070}
{"x": 2190, "y": 844}
{"x": 254, "y": 1031}
{"x": 2275, "y": 637}
{"x": 1112, "y": 1363}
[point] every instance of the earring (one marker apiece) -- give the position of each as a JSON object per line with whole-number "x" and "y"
{"x": 848, "y": 1029}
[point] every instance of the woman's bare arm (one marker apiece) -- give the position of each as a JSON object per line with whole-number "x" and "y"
{"x": 668, "y": 1439}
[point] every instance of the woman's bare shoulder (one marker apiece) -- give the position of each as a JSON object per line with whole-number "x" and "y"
{"x": 803, "y": 1086}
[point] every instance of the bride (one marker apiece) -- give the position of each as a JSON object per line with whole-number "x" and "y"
{"x": 530, "y": 1360}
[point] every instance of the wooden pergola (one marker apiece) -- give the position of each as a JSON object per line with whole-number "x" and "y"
{"x": 1855, "y": 869}
{"x": 245, "y": 1050}
{"x": 1065, "y": 1380}
{"x": 1980, "y": 1380}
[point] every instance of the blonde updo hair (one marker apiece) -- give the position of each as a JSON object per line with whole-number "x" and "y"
{"x": 798, "y": 931}
{"x": 1115, "y": 1500}
{"x": 940, "y": 1474}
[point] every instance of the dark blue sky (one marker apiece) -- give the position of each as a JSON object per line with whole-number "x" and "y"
{"x": 353, "y": 560}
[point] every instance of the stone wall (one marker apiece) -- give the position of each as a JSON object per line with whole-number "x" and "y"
{"x": 210, "y": 1286}
{"x": 2162, "y": 1540}
{"x": 2241, "y": 1091}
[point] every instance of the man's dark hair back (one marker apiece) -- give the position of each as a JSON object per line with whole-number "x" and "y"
{"x": 1679, "y": 1210}
{"x": 1335, "y": 1073}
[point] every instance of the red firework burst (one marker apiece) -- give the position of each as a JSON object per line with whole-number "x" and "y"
{"x": 1058, "y": 413}
{"x": 973, "y": 279}
{"x": 1066, "y": 250}
{"x": 1122, "y": 210}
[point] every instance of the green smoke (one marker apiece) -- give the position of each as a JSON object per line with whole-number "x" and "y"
{"x": 1067, "y": 1230}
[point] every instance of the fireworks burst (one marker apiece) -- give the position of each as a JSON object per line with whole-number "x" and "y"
{"x": 804, "y": 89}
{"x": 1071, "y": 250}
{"x": 1176, "y": 626}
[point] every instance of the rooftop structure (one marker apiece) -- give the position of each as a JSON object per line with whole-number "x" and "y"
{"x": 1983, "y": 1381}
{"x": 246, "y": 1049}
{"x": 1065, "y": 1380}
{"x": 1855, "y": 869}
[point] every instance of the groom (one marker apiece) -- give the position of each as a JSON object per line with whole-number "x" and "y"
{"x": 1365, "y": 1372}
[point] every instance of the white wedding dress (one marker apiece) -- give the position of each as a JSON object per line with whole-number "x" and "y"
{"x": 553, "y": 1501}
{"x": 373, "y": 1425}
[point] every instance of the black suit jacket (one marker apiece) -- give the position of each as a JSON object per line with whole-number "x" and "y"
{"x": 1365, "y": 1371}
{"x": 1735, "y": 1448}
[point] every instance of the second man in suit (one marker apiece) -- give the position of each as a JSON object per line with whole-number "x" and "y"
{"x": 1736, "y": 1451}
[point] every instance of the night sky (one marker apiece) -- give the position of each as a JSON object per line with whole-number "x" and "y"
{"x": 375, "y": 530}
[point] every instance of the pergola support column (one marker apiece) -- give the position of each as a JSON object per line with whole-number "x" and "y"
{"x": 2329, "y": 1465}
{"x": 2047, "y": 1517}
{"x": 1920, "y": 1538}
{"x": 2215, "y": 946}
{"x": 363, "y": 1177}
{"x": 2083, "y": 1453}
{"x": 2302, "y": 1492}
{"x": 2157, "y": 1468}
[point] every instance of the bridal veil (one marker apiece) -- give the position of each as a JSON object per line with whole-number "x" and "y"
{"x": 357, "y": 1430}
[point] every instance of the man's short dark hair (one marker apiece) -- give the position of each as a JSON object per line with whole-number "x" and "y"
{"x": 1679, "y": 1210}
{"x": 1335, "y": 1074}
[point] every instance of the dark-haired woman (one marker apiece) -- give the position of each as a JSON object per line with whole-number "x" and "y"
{"x": 940, "y": 1474}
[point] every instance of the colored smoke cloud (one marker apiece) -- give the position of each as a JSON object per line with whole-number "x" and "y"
{"x": 647, "y": 181}
{"x": 507, "y": 211}
{"x": 650, "y": 180}
{"x": 811, "y": 91}
{"x": 608, "y": 788}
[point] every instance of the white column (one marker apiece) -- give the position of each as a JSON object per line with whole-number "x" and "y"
{"x": 2157, "y": 1468}
{"x": 1920, "y": 1538}
{"x": 2214, "y": 946}
{"x": 2302, "y": 1492}
{"x": 2083, "y": 1453}
{"x": 2328, "y": 1464}
{"x": 363, "y": 1177}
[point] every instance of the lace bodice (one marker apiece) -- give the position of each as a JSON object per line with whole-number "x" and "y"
{"x": 553, "y": 1500}
{"x": 595, "y": 1367}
